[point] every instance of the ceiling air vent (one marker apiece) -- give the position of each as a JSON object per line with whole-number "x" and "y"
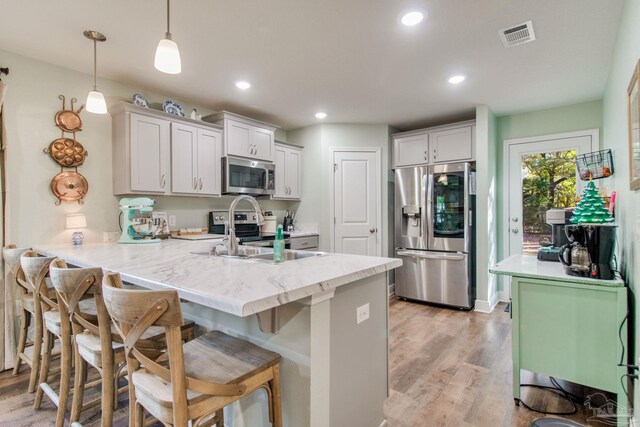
{"x": 518, "y": 34}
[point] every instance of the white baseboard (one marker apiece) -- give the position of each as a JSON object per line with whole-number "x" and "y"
{"x": 484, "y": 306}
{"x": 384, "y": 423}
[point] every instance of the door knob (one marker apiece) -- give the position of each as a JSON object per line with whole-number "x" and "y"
{"x": 372, "y": 230}
{"x": 514, "y": 230}
{"x": 515, "y": 219}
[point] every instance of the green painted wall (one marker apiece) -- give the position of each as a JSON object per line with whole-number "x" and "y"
{"x": 625, "y": 55}
{"x": 586, "y": 115}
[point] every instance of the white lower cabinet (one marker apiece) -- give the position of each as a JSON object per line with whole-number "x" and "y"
{"x": 195, "y": 160}
{"x": 288, "y": 162}
{"x": 155, "y": 153}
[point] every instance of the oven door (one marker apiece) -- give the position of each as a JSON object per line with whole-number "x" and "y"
{"x": 241, "y": 176}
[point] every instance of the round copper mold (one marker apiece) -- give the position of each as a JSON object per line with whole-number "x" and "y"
{"x": 69, "y": 186}
{"x": 67, "y": 152}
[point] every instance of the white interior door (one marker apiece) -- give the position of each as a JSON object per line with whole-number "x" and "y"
{"x": 356, "y": 202}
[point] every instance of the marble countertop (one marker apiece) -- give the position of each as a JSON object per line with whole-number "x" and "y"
{"x": 531, "y": 267}
{"x": 236, "y": 286}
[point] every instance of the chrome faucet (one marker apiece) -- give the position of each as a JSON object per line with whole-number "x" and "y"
{"x": 231, "y": 242}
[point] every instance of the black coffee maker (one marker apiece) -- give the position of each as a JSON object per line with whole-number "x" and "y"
{"x": 599, "y": 241}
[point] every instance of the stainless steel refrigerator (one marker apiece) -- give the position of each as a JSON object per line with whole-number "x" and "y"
{"x": 434, "y": 233}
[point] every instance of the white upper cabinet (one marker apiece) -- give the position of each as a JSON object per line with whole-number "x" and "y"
{"x": 442, "y": 144}
{"x": 195, "y": 160}
{"x": 245, "y": 137}
{"x": 288, "y": 162}
{"x": 156, "y": 153}
{"x": 450, "y": 145}
{"x": 140, "y": 154}
{"x": 410, "y": 150}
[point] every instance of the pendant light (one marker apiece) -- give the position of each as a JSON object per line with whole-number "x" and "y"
{"x": 95, "y": 99}
{"x": 167, "y": 53}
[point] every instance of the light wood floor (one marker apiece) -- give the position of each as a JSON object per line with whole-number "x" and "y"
{"x": 453, "y": 368}
{"x": 448, "y": 368}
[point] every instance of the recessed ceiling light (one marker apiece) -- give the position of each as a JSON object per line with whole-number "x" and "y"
{"x": 412, "y": 18}
{"x": 243, "y": 85}
{"x": 454, "y": 80}
{"x": 321, "y": 115}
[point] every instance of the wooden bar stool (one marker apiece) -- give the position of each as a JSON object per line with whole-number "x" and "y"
{"x": 40, "y": 299}
{"x": 95, "y": 344}
{"x": 58, "y": 325}
{"x": 11, "y": 256}
{"x": 190, "y": 382}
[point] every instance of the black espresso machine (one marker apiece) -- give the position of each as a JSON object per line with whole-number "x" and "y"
{"x": 598, "y": 241}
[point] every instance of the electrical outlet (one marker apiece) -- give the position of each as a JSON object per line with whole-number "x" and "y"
{"x": 362, "y": 313}
{"x": 172, "y": 220}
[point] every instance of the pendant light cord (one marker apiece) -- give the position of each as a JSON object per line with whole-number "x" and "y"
{"x": 95, "y": 62}
{"x": 168, "y": 35}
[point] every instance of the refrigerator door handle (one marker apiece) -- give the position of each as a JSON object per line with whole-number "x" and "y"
{"x": 443, "y": 256}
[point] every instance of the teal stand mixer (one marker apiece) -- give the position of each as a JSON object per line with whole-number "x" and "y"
{"x": 137, "y": 224}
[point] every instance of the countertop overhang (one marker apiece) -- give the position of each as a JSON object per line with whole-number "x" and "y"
{"x": 236, "y": 286}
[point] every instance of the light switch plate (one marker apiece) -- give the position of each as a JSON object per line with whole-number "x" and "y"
{"x": 362, "y": 313}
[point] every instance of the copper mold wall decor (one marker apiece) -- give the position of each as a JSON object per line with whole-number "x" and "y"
{"x": 68, "y": 186}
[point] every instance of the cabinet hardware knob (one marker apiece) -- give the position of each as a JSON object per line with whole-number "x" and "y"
{"x": 163, "y": 181}
{"x": 195, "y": 183}
{"x": 515, "y": 219}
{"x": 200, "y": 180}
{"x": 514, "y": 230}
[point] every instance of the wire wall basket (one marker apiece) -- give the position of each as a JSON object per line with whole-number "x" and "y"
{"x": 595, "y": 165}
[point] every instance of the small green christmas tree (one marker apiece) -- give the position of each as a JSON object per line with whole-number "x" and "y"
{"x": 591, "y": 208}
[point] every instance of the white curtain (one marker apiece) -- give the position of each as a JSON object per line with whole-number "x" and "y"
{"x": 7, "y": 319}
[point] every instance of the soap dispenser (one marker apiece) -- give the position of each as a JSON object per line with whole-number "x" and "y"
{"x": 278, "y": 245}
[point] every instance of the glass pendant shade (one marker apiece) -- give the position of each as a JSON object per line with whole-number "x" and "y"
{"x": 96, "y": 103}
{"x": 168, "y": 57}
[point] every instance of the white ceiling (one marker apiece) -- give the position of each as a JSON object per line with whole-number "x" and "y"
{"x": 352, "y": 59}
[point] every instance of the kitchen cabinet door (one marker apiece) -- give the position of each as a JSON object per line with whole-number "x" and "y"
{"x": 281, "y": 172}
{"x": 239, "y": 138}
{"x": 293, "y": 173}
{"x": 149, "y": 151}
{"x": 209, "y": 162}
{"x": 410, "y": 150}
{"x": 451, "y": 145}
{"x": 184, "y": 151}
{"x": 288, "y": 162}
{"x": 263, "y": 144}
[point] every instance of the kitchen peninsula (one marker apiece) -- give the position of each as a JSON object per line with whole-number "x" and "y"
{"x": 334, "y": 370}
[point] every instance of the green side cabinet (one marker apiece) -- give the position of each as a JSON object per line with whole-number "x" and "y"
{"x": 569, "y": 331}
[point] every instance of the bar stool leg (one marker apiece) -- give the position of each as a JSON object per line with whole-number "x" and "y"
{"x": 22, "y": 340}
{"x": 37, "y": 351}
{"x": 65, "y": 373}
{"x": 44, "y": 368}
{"x": 275, "y": 389}
{"x": 79, "y": 380}
{"x": 108, "y": 393}
{"x": 220, "y": 418}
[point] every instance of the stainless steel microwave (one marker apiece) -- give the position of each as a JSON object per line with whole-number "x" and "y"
{"x": 242, "y": 176}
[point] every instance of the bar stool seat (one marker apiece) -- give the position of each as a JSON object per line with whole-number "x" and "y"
{"x": 52, "y": 317}
{"x": 90, "y": 349}
{"x": 228, "y": 360}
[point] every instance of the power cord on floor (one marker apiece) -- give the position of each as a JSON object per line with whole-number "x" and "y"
{"x": 557, "y": 388}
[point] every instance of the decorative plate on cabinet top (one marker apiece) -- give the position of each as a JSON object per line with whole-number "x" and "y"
{"x": 140, "y": 101}
{"x": 172, "y": 107}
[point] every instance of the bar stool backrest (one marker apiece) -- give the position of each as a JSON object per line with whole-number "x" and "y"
{"x": 11, "y": 256}
{"x": 36, "y": 269}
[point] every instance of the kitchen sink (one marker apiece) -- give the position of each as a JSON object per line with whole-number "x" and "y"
{"x": 289, "y": 255}
{"x": 254, "y": 253}
{"x": 244, "y": 252}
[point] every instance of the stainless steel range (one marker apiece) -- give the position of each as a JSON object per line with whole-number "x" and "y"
{"x": 434, "y": 234}
{"x": 247, "y": 228}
